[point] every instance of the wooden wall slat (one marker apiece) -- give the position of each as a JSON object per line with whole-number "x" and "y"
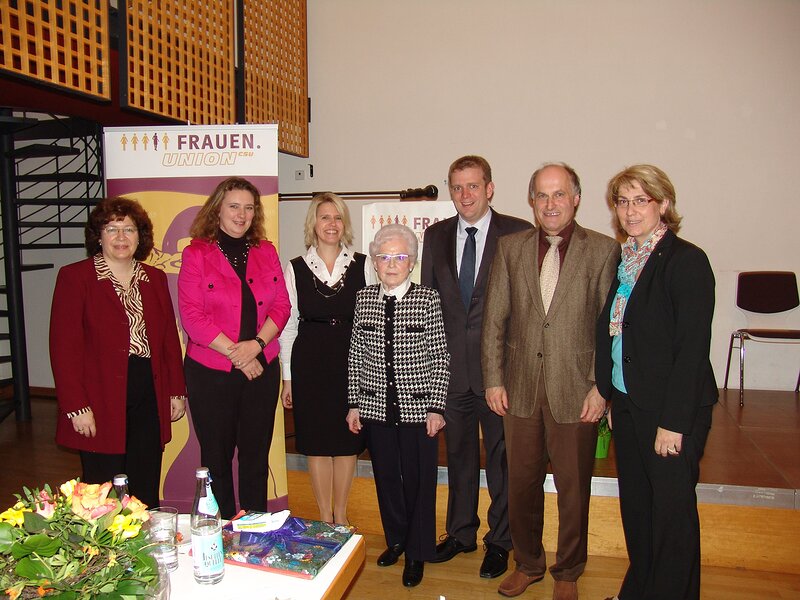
{"x": 60, "y": 43}
{"x": 276, "y": 69}
{"x": 181, "y": 59}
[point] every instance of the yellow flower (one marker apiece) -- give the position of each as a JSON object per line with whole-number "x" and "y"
{"x": 112, "y": 558}
{"x": 137, "y": 509}
{"x": 67, "y": 488}
{"x": 91, "y": 550}
{"x": 14, "y": 515}
{"x": 125, "y": 526}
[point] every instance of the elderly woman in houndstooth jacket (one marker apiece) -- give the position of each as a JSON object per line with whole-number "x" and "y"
{"x": 398, "y": 377}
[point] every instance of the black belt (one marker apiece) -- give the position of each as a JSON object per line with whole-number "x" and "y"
{"x": 334, "y": 321}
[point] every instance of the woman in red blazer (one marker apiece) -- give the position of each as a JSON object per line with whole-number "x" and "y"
{"x": 233, "y": 304}
{"x": 653, "y": 342}
{"x": 115, "y": 352}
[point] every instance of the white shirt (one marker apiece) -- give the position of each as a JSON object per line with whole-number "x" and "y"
{"x": 320, "y": 271}
{"x": 482, "y": 226}
{"x": 397, "y": 292}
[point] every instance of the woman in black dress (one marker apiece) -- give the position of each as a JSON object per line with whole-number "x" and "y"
{"x": 322, "y": 287}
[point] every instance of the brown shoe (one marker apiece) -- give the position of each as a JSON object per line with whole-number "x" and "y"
{"x": 516, "y": 583}
{"x": 565, "y": 590}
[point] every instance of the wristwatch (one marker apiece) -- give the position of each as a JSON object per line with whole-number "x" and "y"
{"x": 261, "y": 342}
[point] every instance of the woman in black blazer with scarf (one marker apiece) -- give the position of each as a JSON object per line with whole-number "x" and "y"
{"x": 653, "y": 342}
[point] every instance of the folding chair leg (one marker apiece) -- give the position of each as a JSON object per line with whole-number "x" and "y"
{"x": 741, "y": 370}
{"x": 728, "y": 362}
{"x": 797, "y": 387}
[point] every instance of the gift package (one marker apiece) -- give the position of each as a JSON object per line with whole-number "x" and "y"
{"x": 300, "y": 547}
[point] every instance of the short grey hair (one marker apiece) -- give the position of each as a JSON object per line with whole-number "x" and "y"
{"x": 391, "y": 232}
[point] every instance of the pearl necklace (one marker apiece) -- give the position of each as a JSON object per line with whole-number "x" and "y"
{"x": 234, "y": 262}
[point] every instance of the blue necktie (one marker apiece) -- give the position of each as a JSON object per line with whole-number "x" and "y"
{"x": 466, "y": 276}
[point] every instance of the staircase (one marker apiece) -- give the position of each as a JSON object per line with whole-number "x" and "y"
{"x": 52, "y": 176}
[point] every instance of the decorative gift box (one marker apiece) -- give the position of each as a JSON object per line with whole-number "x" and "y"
{"x": 299, "y": 548}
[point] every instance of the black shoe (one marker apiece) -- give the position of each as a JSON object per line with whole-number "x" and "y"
{"x": 390, "y": 555}
{"x": 412, "y": 572}
{"x": 449, "y": 548}
{"x": 495, "y": 563}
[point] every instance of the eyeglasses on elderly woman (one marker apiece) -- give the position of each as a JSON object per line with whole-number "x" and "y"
{"x": 388, "y": 258}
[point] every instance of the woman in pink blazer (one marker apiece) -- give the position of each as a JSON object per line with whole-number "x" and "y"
{"x": 115, "y": 352}
{"x": 233, "y": 305}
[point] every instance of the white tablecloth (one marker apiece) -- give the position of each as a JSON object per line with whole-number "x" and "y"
{"x": 243, "y": 582}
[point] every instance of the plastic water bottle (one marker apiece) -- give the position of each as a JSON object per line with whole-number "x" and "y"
{"x": 207, "y": 551}
{"x": 120, "y": 483}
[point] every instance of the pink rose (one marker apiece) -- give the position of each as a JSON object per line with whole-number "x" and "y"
{"x": 45, "y": 506}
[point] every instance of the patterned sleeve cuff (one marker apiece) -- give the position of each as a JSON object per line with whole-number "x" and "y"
{"x": 82, "y": 411}
{"x": 178, "y": 398}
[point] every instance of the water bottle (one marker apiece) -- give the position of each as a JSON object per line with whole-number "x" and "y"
{"x": 207, "y": 551}
{"x": 120, "y": 482}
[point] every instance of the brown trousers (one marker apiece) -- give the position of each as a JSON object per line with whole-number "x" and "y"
{"x": 569, "y": 447}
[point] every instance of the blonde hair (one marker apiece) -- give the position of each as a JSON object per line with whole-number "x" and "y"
{"x": 310, "y": 235}
{"x": 654, "y": 183}
{"x": 206, "y": 224}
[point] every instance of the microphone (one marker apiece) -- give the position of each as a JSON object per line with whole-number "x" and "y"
{"x": 430, "y": 192}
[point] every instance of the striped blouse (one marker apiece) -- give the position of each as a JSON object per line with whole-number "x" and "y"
{"x": 132, "y": 303}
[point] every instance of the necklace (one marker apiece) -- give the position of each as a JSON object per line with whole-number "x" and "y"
{"x": 336, "y": 287}
{"x": 234, "y": 261}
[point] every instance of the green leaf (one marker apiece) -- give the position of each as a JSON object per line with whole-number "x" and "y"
{"x": 64, "y": 596}
{"x": 33, "y": 568}
{"x": 41, "y": 544}
{"x": 8, "y": 535}
{"x": 34, "y": 522}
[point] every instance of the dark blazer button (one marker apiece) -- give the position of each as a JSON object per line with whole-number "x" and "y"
{"x": 546, "y": 325}
{"x": 250, "y": 280}
{"x": 538, "y": 355}
{"x": 260, "y": 302}
{"x": 274, "y": 279}
{"x": 627, "y": 359}
{"x": 211, "y": 286}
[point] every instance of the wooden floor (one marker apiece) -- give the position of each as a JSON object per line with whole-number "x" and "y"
{"x": 756, "y": 445}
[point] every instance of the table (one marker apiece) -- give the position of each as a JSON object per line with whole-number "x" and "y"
{"x": 244, "y": 582}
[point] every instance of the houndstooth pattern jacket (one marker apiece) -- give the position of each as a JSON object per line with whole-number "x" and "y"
{"x": 421, "y": 360}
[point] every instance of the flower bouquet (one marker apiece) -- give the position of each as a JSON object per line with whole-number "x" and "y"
{"x": 75, "y": 543}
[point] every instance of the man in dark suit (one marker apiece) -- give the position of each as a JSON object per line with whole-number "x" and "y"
{"x": 456, "y": 258}
{"x": 545, "y": 292}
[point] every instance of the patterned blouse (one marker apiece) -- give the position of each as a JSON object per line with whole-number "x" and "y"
{"x": 132, "y": 303}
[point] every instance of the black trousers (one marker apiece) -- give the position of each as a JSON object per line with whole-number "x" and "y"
{"x": 658, "y": 504}
{"x": 142, "y": 458}
{"x": 231, "y": 413}
{"x": 466, "y": 414}
{"x": 404, "y": 464}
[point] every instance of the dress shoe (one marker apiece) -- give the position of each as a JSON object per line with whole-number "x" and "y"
{"x": 495, "y": 563}
{"x": 449, "y": 548}
{"x": 516, "y": 583}
{"x": 390, "y": 555}
{"x": 412, "y": 572}
{"x": 565, "y": 590}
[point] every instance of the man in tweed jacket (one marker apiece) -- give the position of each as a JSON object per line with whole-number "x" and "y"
{"x": 397, "y": 385}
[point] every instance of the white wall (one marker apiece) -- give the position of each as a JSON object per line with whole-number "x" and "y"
{"x": 708, "y": 90}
